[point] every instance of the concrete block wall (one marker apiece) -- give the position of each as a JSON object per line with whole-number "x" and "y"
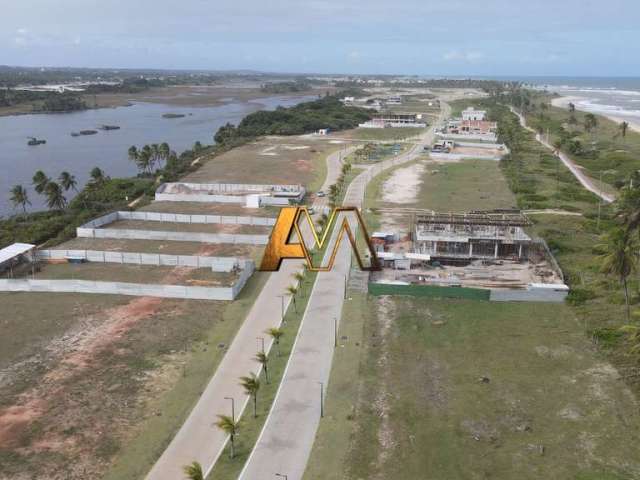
{"x": 217, "y": 264}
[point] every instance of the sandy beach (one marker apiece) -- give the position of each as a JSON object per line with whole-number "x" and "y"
{"x": 563, "y": 102}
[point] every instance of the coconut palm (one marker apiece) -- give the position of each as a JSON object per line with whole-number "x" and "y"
{"x": 292, "y": 290}
{"x": 193, "y": 471}
{"x": 229, "y": 426}
{"x": 133, "y": 153}
{"x": 624, "y": 126}
{"x": 590, "y": 122}
{"x": 68, "y": 181}
{"x": 164, "y": 150}
{"x": 19, "y": 196}
{"x": 55, "y": 198}
{"x": 572, "y": 107}
{"x": 276, "y": 334}
{"x": 197, "y": 147}
{"x": 299, "y": 277}
{"x": 621, "y": 258}
{"x": 251, "y": 385}
{"x": 97, "y": 176}
{"x": 40, "y": 181}
{"x": 628, "y": 209}
{"x": 263, "y": 360}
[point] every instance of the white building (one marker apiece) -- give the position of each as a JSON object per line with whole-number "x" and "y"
{"x": 473, "y": 114}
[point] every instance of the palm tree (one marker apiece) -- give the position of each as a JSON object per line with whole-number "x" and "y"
{"x": 68, "y": 181}
{"x": 572, "y": 107}
{"x": 251, "y": 386}
{"x": 292, "y": 290}
{"x": 621, "y": 258}
{"x": 229, "y": 426}
{"x": 276, "y": 334}
{"x": 19, "y": 196}
{"x": 299, "y": 277}
{"x": 263, "y": 360}
{"x": 197, "y": 147}
{"x": 164, "y": 150}
{"x": 193, "y": 471}
{"x": 40, "y": 181}
{"x": 624, "y": 126}
{"x": 133, "y": 153}
{"x": 628, "y": 209}
{"x": 590, "y": 122}
{"x": 55, "y": 198}
{"x": 97, "y": 176}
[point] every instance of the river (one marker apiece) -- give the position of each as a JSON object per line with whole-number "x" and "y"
{"x": 141, "y": 123}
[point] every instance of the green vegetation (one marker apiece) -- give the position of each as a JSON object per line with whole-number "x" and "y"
{"x": 285, "y": 87}
{"x": 43, "y": 101}
{"x": 386, "y": 134}
{"x": 327, "y": 112}
{"x": 459, "y": 389}
{"x": 249, "y": 426}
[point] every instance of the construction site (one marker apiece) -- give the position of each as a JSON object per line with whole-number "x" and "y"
{"x": 488, "y": 250}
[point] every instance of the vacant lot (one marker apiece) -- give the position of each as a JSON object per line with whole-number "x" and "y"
{"x": 115, "y": 272}
{"x": 200, "y": 208}
{"x": 189, "y": 227}
{"x": 284, "y": 160}
{"x": 157, "y": 246}
{"x": 460, "y": 389}
{"x": 83, "y": 376}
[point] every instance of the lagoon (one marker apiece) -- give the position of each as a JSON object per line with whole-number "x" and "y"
{"x": 141, "y": 123}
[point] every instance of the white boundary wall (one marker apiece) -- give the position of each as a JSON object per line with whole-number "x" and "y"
{"x": 532, "y": 293}
{"x": 236, "y": 193}
{"x": 463, "y": 156}
{"x": 132, "y": 289}
{"x": 217, "y": 264}
{"x": 93, "y": 228}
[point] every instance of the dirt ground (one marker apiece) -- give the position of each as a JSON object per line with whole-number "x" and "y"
{"x": 199, "y": 208}
{"x": 189, "y": 227}
{"x": 269, "y": 160}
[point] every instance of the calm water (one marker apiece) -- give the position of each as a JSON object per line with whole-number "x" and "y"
{"x": 140, "y": 124}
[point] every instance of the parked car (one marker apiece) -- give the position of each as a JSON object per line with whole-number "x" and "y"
{"x": 320, "y": 194}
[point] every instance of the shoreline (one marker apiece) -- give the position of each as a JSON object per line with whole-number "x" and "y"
{"x": 563, "y": 102}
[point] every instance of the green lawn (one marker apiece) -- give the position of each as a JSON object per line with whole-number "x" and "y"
{"x": 549, "y": 407}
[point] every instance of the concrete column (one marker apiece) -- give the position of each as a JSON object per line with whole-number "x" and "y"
{"x": 470, "y": 249}
{"x": 495, "y": 254}
{"x": 520, "y": 251}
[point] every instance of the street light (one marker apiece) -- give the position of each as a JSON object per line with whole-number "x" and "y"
{"x": 233, "y": 408}
{"x": 282, "y": 475}
{"x": 262, "y": 339}
{"x": 321, "y": 399}
{"x": 335, "y": 331}
{"x": 282, "y": 307}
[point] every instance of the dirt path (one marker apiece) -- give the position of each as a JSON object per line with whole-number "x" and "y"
{"x": 584, "y": 180}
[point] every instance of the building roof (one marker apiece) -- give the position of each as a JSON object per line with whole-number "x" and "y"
{"x": 14, "y": 250}
{"x": 512, "y": 219}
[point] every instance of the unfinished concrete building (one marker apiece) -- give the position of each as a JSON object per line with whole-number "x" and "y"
{"x": 470, "y": 236}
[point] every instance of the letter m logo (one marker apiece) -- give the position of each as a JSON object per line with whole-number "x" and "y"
{"x": 289, "y": 240}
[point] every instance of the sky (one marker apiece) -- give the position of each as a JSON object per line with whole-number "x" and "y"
{"x": 416, "y": 37}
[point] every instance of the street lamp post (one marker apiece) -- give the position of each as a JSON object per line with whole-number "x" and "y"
{"x": 321, "y": 399}
{"x": 262, "y": 340}
{"x": 233, "y": 408}
{"x": 281, "y": 307}
{"x": 335, "y": 331}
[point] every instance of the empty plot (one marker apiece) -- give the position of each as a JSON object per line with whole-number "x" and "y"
{"x": 166, "y": 247}
{"x": 135, "y": 274}
{"x": 188, "y": 227}
{"x": 200, "y": 208}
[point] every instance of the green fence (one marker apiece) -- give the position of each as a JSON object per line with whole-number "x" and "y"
{"x": 429, "y": 291}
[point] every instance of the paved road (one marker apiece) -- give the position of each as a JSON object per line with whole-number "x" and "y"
{"x": 575, "y": 169}
{"x": 286, "y": 440}
{"x": 198, "y": 438}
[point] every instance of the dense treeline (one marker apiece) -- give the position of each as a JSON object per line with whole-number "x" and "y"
{"x": 43, "y": 101}
{"x": 326, "y": 112}
{"x": 285, "y": 87}
{"x": 486, "y": 85}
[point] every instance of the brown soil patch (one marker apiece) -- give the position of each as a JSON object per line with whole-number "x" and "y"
{"x": 15, "y": 418}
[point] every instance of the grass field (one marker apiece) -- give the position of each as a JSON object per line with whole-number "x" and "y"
{"x": 460, "y": 389}
{"x": 189, "y": 227}
{"x": 200, "y": 208}
{"x": 285, "y": 160}
{"x": 396, "y": 133}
